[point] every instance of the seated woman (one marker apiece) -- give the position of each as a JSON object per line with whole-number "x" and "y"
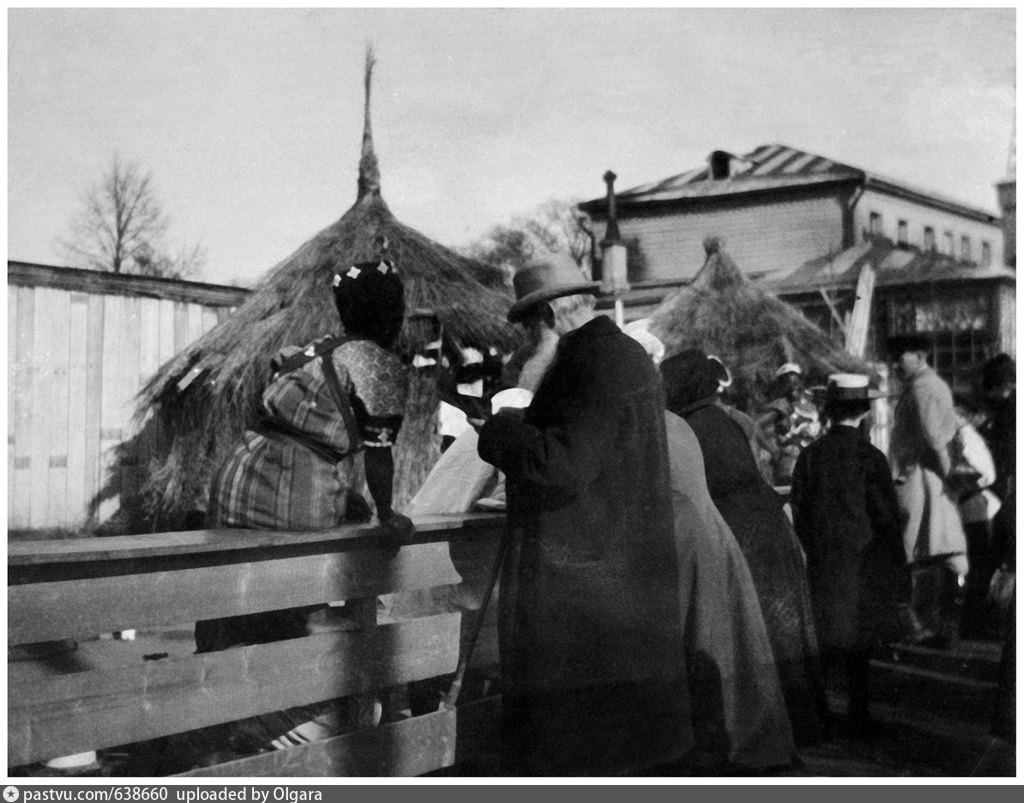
{"x": 754, "y": 513}
{"x": 296, "y": 469}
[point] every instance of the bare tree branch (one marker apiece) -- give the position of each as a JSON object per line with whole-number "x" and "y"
{"x": 121, "y": 227}
{"x": 553, "y": 226}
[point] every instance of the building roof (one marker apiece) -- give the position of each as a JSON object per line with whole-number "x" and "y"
{"x": 772, "y": 167}
{"x": 894, "y": 265}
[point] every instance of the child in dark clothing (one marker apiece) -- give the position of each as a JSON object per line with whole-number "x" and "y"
{"x": 846, "y": 516}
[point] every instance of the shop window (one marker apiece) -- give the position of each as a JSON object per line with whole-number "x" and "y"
{"x": 960, "y": 328}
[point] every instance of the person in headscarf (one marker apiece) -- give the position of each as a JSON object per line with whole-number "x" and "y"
{"x": 754, "y": 513}
{"x": 327, "y": 401}
{"x": 738, "y": 710}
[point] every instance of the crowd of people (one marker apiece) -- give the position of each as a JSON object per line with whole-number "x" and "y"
{"x": 656, "y": 595}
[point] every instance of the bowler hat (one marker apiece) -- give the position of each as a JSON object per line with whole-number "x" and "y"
{"x": 545, "y": 278}
{"x": 850, "y": 387}
{"x": 901, "y": 344}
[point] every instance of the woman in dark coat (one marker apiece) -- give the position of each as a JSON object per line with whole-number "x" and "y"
{"x": 847, "y": 518}
{"x": 756, "y": 517}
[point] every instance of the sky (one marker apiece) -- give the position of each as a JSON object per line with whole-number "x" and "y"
{"x": 250, "y": 119}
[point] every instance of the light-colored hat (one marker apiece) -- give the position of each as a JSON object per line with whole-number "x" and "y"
{"x": 789, "y": 368}
{"x": 545, "y": 278}
{"x": 850, "y": 387}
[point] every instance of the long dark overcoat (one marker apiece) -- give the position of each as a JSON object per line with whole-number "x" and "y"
{"x": 754, "y": 513}
{"x": 589, "y": 593}
{"x": 847, "y": 518}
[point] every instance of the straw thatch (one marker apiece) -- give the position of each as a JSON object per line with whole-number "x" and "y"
{"x": 752, "y": 331}
{"x": 209, "y": 392}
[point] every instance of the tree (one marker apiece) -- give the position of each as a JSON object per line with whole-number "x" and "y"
{"x": 553, "y": 226}
{"x": 121, "y": 228}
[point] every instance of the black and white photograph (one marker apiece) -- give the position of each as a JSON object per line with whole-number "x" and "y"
{"x": 510, "y": 393}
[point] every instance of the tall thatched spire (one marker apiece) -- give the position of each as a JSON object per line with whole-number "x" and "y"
{"x": 369, "y": 172}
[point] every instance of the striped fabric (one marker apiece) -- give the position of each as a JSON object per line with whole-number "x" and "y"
{"x": 270, "y": 482}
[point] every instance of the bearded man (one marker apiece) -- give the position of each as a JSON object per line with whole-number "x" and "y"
{"x": 591, "y": 642}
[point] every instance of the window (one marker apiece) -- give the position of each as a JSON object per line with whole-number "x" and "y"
{"x": 959, "y": 324}
{"x": 965, "y": 248}
{"x": 874, "y": 223}
{"x": 947, "y": 243}
{"x": 929, "y": 238}
{"x": 986, "y": 253}
{"x": 901, "y": 232}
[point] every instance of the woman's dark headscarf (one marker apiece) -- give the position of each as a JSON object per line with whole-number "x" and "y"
{"x": 370, "y": 301}
{"x": 690, "y": 379}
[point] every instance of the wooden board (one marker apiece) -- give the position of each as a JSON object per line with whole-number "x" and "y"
{"x": 93, "y": 401}
{"x": 195, "y": 322}
{"x": 57, "y": 451}
{"x": 42, "y": 409}
{"x": 167, "y": 348}
{"x": 149, "y": 363}
{"x": 429, "y": 529}
{"x": 180, "y": 326}
{"x": 111, "y": 395}
{"x": 71, "y": 608}
{"x": 12, "y": 379}
{"x": 77, "y": 496}
{"x": 129, "y": 384}
{"x": 85, "y": 710}
{"x": 27, "y": 274}
{"x": 400, "y": 749}
{"x": 19, "y": 515}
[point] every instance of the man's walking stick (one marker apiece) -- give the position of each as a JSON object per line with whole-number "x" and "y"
{"x": 450, "y": 699}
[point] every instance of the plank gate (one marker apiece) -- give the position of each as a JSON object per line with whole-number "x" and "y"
{"x": 80, "y": 588}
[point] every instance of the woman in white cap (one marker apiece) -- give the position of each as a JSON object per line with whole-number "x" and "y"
{"x": 847, "y": 518}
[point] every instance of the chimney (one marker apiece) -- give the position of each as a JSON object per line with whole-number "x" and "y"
{"x": 1006, "y": 191}
{"x": 718, "y": 165}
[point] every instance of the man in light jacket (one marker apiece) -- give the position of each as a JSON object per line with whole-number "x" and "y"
{"x": 923, "y": 427}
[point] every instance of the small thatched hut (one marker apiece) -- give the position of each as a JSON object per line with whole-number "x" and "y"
{"x": 209, "y": 393}
{"x": 752, "y": 331}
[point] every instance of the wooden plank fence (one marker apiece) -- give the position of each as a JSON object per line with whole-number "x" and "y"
{"x": 80, "y": 588}
{"x": 81, "y": 344}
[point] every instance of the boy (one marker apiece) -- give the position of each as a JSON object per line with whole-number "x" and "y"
{"x": 846, "y": 516}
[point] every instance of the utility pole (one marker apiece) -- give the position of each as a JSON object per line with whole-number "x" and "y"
{"x": 613, "y": 255}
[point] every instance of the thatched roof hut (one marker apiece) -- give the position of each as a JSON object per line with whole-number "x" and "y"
{"x": 209, "y": 393}
{"x": 752, "y": 331}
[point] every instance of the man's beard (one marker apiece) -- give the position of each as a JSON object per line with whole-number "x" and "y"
{"x": 540, "y": 361}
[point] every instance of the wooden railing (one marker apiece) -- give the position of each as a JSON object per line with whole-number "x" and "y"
{"x": 78, "y": 589}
